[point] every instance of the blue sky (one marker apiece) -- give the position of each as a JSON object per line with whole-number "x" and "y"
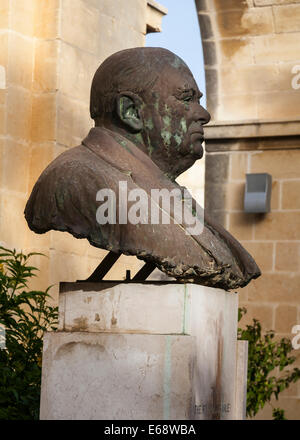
{"x": 181, "y": 34}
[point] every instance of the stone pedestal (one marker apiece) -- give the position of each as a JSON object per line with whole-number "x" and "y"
{"x": 144, "y": 351}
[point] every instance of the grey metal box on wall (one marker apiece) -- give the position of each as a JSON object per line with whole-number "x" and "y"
{"x": 258, "y": 193}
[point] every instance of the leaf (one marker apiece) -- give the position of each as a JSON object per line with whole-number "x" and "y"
{"x": 26, "y": 315}
{"x": 265, "y": 356}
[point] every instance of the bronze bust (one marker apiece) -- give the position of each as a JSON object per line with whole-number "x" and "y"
{"x": 148, "y": 130}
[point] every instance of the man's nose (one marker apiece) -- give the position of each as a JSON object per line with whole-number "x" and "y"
{"x": 201, "y": 115}
{"x": 206, "y": 116}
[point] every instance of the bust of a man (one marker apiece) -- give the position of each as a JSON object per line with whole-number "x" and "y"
{"x": 148, "y": 130}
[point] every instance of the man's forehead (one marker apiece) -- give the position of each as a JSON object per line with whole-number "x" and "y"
{"x": 175, "y": 78}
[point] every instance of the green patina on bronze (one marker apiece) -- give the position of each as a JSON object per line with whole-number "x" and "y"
{"x": 183, "y": 125}
{"x": 150, "y": 147}
{"x": 149, "y": 124}
{"x": 167, "y": 121}
{"x": 178, "y": 139}
{"x": 124, "y": 144}
{"x": 138, "y": 138}
{"x": 166, "y": 135}
{"x": 178, "y": 62}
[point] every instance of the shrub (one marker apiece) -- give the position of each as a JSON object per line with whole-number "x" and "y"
{"x": 25, "y": 315}
{"x": 266, "y": 356}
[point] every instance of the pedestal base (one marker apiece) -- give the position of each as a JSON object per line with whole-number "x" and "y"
{"x": 143, "y": 351}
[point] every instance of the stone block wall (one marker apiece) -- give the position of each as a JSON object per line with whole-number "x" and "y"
{"x": 273, "y": 239}
{"x": 250, "y": 48}
{"x": 252, "y": 59}
{"x": 49, "y": 52}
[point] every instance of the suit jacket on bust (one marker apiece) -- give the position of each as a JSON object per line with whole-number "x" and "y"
{"x": 64, "y": 199}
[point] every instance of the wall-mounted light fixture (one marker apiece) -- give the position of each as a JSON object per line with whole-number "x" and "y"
{"x": 258, "y": 193}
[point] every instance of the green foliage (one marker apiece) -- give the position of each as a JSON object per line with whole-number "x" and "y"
{"x": 266, "y": 357}
{"x": 25, "y": 316}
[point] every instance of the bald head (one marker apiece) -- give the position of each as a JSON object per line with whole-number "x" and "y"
{"x": 132, "y": 70}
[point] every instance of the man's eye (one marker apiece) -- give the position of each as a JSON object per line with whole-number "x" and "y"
{"x": 188, "y": 98}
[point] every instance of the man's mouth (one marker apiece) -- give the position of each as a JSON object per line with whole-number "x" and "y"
{"x": 197, "y": 136}
{"x": 196, "y": 140}
{"x": 196, "y": 129}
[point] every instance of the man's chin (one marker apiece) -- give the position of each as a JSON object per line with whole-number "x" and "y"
{"x": 197, "y": 149}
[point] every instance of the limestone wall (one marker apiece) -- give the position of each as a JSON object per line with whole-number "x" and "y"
{"x": 250, "y": 48}
{"x": 252, "y": 58}
{"x": 49, "y": 51}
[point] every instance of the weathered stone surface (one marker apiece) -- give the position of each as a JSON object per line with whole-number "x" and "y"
{"x": 242, "y": 225}
{"x": 18, "y": 108}
{"x": 274, "y": 226}
{"x": 20, "y": 60}
{"x": 265, "y": 313}
{"x": 238, "y": 107}
{"x": 46, "y": 67}
{"x": 271, "y": 103}
{"x": 209, "y": 52}
{"x": 281, "y": 164}
{"x": 285, "y": 318}
{"x": 81, "y": 30}
{"x": 47, "y": 18}
{"x": 217, "y": 167}
{"x": 241, "y": 379}
{"x": 213, "y": 321}
{"x": 288, "y": 256}
{"x": 10, "y": 204}
{"x": 290, "y": 195}
{"x": 276, "y": 47}
{"x": 17, "y": 153}
{"x": 127, "y": 307}
{"x": 4, "y": 14}
{"x": 21, "y": 16}
{"x": 287, "y": 18}
{"x": 131, "y": 13}
{"x": 43, "y": 122}
{"x": 245, "y": 22}
{"x": 238, "y": 166}
{"x": 76, "y": 84}
{"x": 263, "y": 252}
{"x": 72, "y": 120}
{"x": 205, "y": 26}
{"x": 116, "y": 377}
{"x": 236, "y": 50}
{"x": 124, "y": 308}
{"x": 41, "y": 154}
{"x": 275, "y": 288}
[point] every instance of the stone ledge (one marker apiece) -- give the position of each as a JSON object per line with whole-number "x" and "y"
{"x": 160, "y": 8}
{"x": 251, "y": 129}
{"x": 252, "y": 135}
{"x": 155, "y": 13}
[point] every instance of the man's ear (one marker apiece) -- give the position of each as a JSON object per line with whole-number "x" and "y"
{"x": 128, "y": 110}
